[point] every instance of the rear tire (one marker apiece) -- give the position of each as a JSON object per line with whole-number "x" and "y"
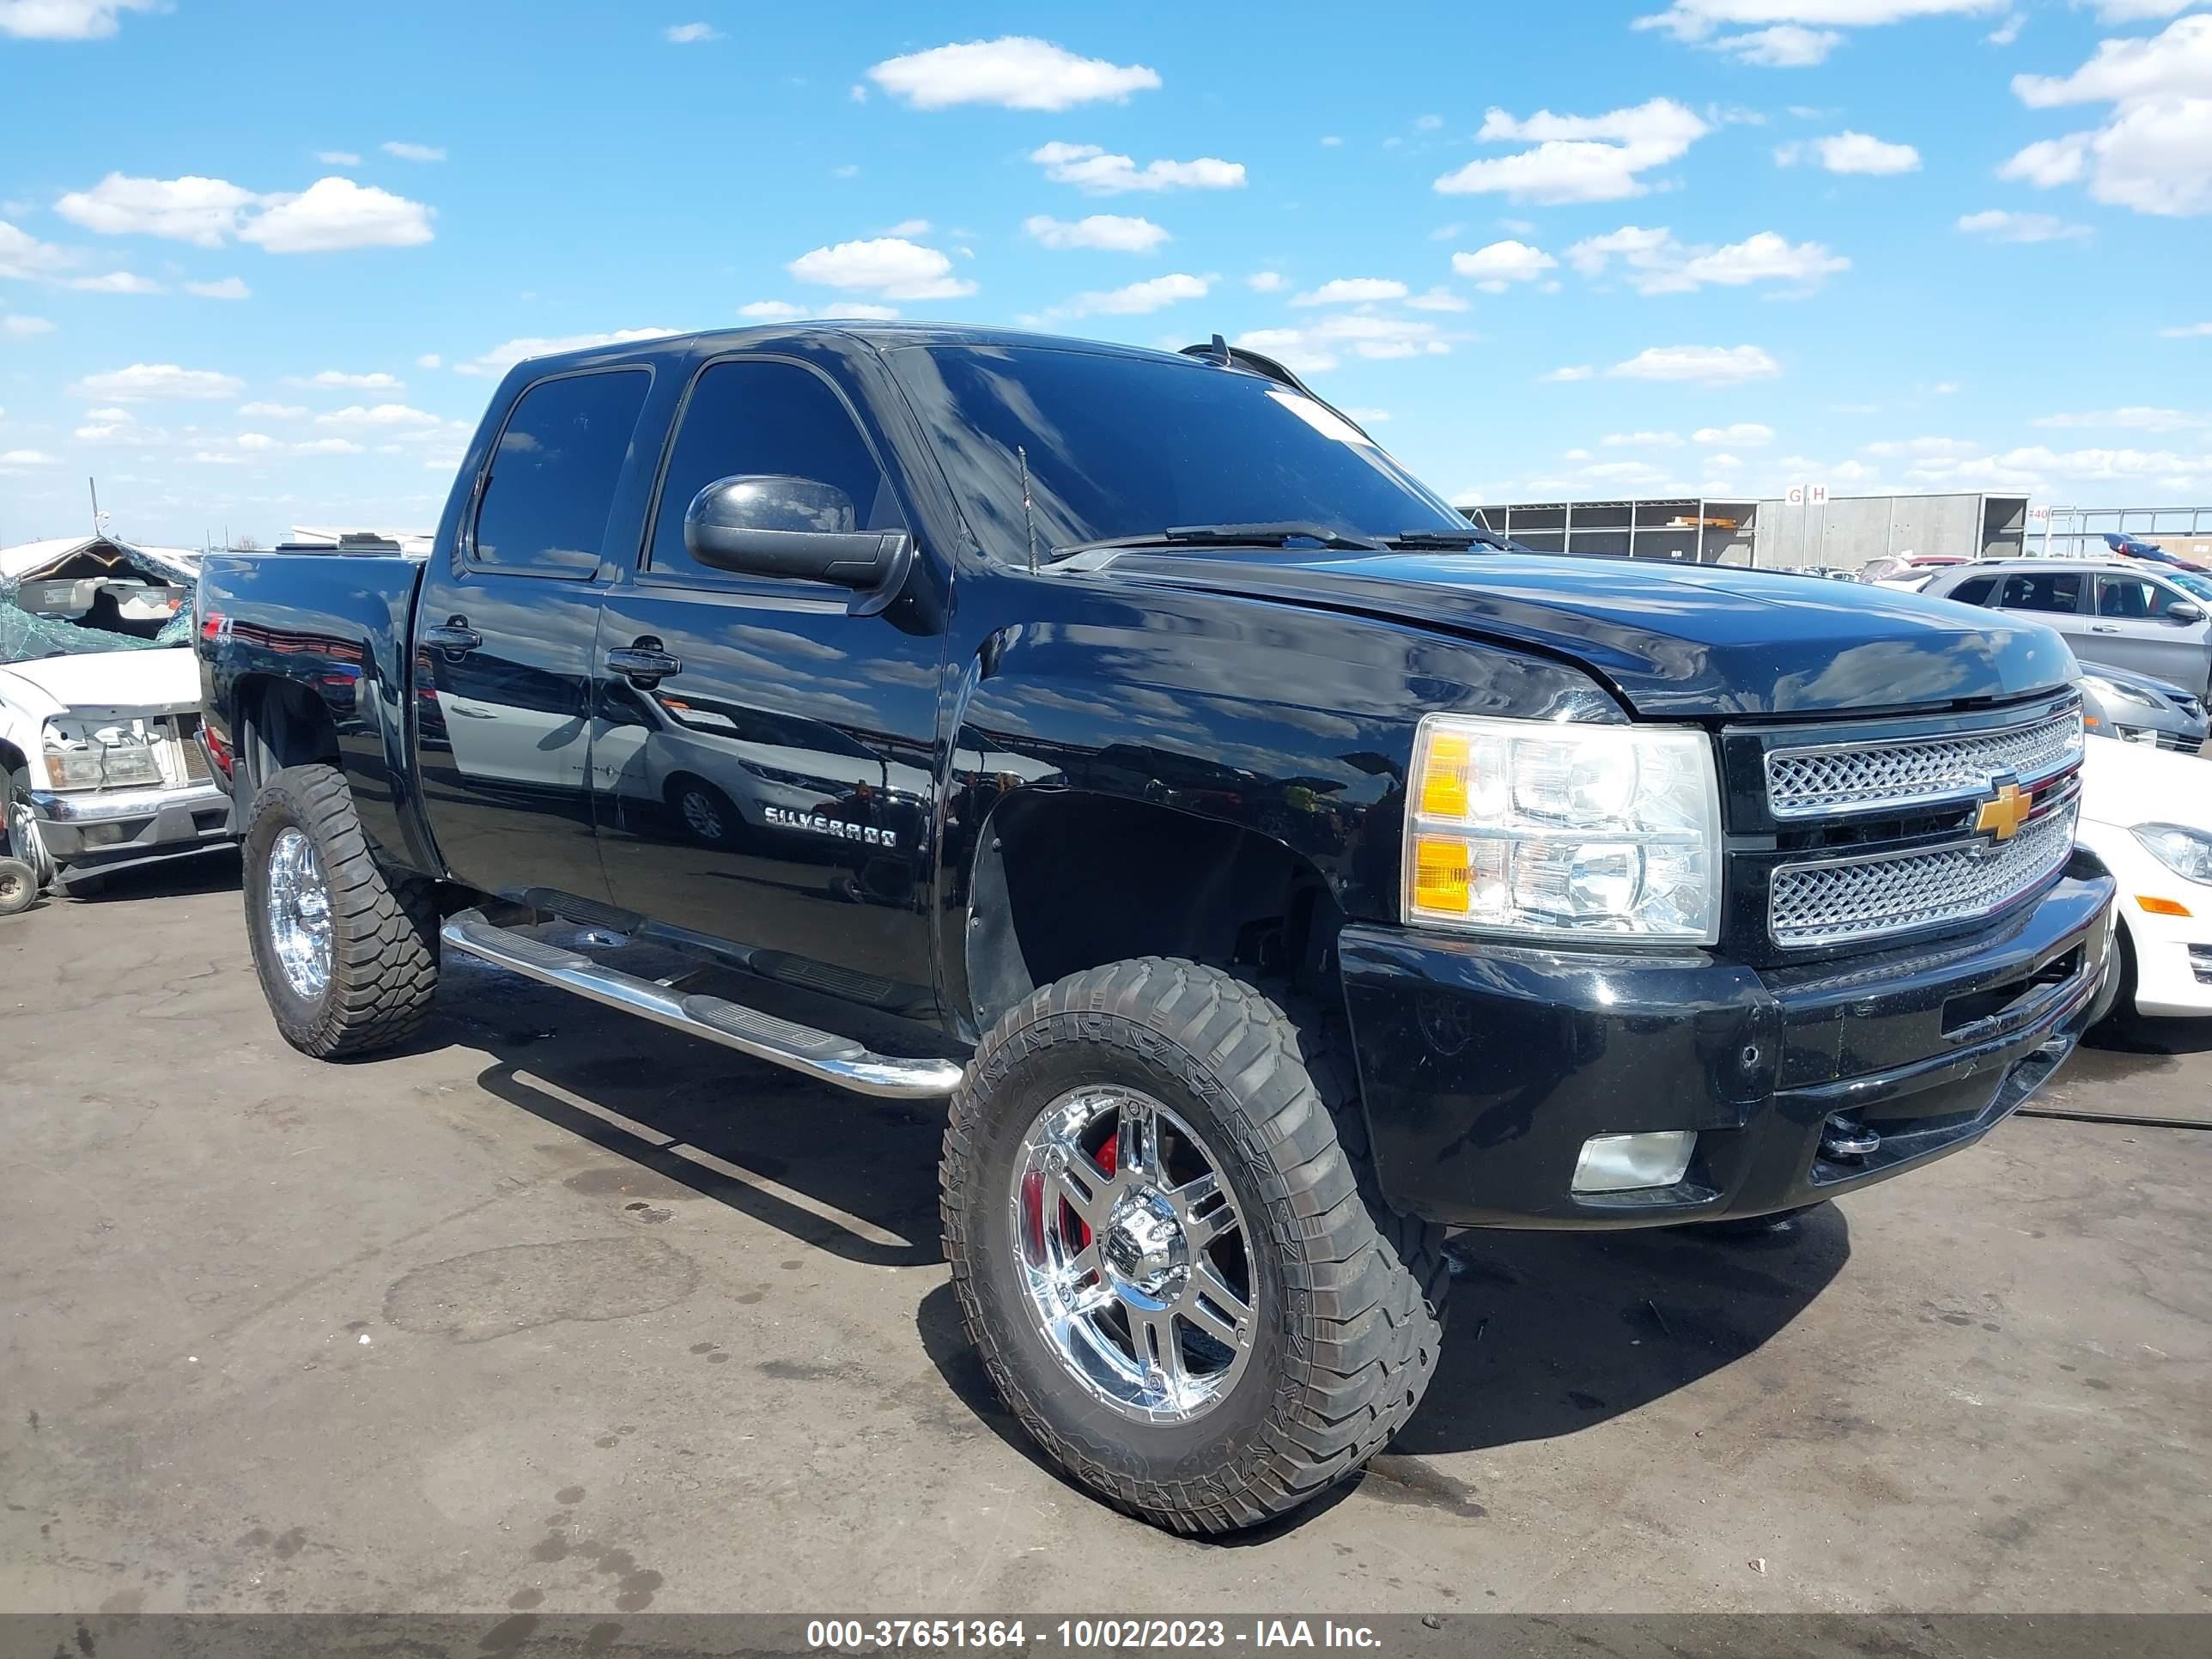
{"x": 346, "y": 951}
{"x": 1335, "y": 1302}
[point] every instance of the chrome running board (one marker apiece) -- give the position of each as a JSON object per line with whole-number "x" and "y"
{"x": 819, "y": 1054}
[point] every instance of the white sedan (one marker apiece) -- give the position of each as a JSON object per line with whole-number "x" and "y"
{"x": 2147, "y": 813}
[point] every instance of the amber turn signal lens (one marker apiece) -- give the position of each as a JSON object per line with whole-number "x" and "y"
{"x": 1442, "y": 878}
{"x": 1444, "y": 777}
{"x": 2162, "y": 907}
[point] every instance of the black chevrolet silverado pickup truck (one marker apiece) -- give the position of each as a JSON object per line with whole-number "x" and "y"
{"x": 1272, "y": 871}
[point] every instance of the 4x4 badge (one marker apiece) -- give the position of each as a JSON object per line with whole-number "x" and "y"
{"x": 2004, "y": 817}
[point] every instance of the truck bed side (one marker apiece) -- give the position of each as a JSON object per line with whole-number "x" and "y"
{"x": 296, "y": 647}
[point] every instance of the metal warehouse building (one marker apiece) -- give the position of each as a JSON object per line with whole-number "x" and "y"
{"x": 1783, "y": 532}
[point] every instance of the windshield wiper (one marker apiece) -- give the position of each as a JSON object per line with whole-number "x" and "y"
{"x": 1227, "y": 535}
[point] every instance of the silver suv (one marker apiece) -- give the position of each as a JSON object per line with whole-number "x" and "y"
{"x": 2122, "y": 613}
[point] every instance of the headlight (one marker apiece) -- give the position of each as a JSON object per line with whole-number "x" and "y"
{"x": 2186, "y": 852}
{"x": 1564, "y": 831}
{"x": 2112, "y": 691}
{"x": 109, "y": 759}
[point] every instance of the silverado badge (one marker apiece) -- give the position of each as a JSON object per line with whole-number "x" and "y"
{"x": 2004, "y": 817}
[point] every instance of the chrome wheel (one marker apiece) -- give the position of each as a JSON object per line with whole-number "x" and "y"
{"x": 300, "y": 914}
{"x": 1134, "y": 1254}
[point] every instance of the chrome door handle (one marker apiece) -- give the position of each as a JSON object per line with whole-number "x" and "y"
{"x": 2102, "y": 628}
{"x": 453, "y": 636}
{"x": 643, "y": 663}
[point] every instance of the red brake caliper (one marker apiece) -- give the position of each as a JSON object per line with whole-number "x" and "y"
{"x": 1033, "y": 1202}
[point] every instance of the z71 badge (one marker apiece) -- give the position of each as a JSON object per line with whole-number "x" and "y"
{"x": 785, "y": 818}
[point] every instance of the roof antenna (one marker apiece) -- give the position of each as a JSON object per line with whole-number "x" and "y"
{"x": 1217, "y": 352}
{"x": 1029, "y": 515}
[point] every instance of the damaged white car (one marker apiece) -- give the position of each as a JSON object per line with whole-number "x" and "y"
{"x": 100, "y": 709}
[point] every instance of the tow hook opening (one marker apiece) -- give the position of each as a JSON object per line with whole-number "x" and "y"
{"x": 1845, "y": 1137}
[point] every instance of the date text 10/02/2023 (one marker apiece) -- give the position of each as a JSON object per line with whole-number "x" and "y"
{"x": 859, "y": 1636}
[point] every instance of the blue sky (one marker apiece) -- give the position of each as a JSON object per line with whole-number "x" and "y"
{"x": 258, "y": 260}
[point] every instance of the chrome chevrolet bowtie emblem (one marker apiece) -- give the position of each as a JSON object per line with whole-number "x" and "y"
{"x": 2004, "y": 817}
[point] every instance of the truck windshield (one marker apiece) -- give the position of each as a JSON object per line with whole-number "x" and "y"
{"x": 1121, "y": 446}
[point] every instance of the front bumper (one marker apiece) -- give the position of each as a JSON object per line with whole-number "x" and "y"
{"x": 104, "y": 828}
{"x": 1486, "y": 1067}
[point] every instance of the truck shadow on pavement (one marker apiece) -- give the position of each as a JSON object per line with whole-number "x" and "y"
{"x": 840, "y": 1173}
{"x": 1550, "y": 1332}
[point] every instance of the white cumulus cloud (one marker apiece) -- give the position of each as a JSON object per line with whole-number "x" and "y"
{"x": 1113, "y": 232}
{"x": 25, "y": 256}
{"x": 377, "y": 380}
{"x": 1015, "y": 71}
{"x": 689, "y": 34}
{"x": 142, "y": 382}
{"x": 505, "y": 354}
{"x": 1712, "y": 365}
{"x": 1267, "y": 282}
{"x": 2153, "y": 152}
{"x": 117, "y": 281}
{"x": 1742, "y": 435}
{"x": 1321, "y": 344}
{"x": 66, "y": 20}
{"x": 1576, "y": 158}
{"x": 1656, "y": 261}
{"x": 407, "y": 152}
{"x": 390, "y": 417}
{"x": 1851, "y": 152}
{"x": 889, "y": 266}
{"x": 203, "y": 211}
{"x": 18, "y": 326}
{"x": 1493, "y": 267}
{"x": 1138, "y": 298}
{"x": 331, "y": 213}
{"x": 2005, "y": 227}
{"x": 228, "y": 288}
{"x": 1095, "y": 170}
{"x": 1352, "y": 290}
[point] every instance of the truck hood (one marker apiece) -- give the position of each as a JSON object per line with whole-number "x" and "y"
{"x": 133, "y": 682}
{"x": 1674, "y": 642}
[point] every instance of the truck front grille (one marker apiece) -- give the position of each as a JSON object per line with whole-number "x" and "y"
{"x": 1871, "y": 895}
{"x": 1823, "y": 779}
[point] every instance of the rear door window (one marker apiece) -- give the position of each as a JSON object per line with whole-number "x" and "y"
{"x": 2057, "y": 591}
{"x": 544, "y": 512}
{"x": 1976, "y": 591}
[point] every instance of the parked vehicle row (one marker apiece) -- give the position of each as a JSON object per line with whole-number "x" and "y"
{"x": 2151, "y": 620}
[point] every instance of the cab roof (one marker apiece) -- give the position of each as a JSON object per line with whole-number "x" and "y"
{"x": 882, "y": 336}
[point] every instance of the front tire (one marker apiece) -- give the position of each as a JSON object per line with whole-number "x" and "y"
{"x": 1208, "y": 1321}
{"x": 19, "y": 887}
{"x": 25, "y": 839}
{"x": 347, "y": 952}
